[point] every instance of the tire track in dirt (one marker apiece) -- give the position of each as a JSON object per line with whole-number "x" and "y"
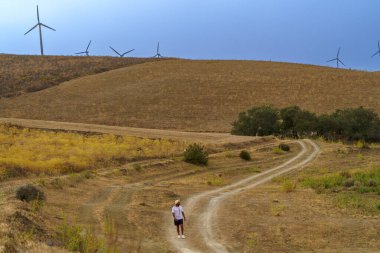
{"x": 205, "y": 217}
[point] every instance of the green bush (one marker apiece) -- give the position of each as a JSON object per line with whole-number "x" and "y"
{"x": 244, "y": 154}
{"x": 196, "y": 154}
{"x": 284, "y": 147}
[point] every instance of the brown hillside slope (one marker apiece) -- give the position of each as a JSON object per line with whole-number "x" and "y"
{"x": 27, "y": 73}
{"x": 195, "y": 95}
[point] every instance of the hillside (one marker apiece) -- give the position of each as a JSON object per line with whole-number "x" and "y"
{"x": 195, "y": 95}
{"x": 22, "y": 74}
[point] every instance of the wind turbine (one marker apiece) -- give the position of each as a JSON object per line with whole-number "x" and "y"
{"x": 39, "y": 24}
{"x": 337, "y": 60}
{"x": 158, "y": 55}
{"x": 86, "y": 52}
{"x": 378, "y": 52}
{"x": 121, "y": 55}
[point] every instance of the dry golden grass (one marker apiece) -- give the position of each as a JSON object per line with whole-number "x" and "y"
{"x": 195, "y": 95}
{"x": 20, "y": 74}
{"x": 26, "y": 151}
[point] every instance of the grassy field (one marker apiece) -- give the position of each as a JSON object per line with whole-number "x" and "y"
{"x": 195, "y": 95}
{"x": 26, "y": 151}
{"x": 23, "y": 74}
{"x": 332, "y": 203}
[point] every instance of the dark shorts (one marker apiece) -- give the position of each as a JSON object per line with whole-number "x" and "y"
{"x": 178, "y": 222}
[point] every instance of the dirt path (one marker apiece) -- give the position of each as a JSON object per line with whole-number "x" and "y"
{"x": 202, "y": 208}
{"x": 217, "y": 138}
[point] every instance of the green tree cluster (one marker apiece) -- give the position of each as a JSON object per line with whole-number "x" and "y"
{"x": 347, "y": 124}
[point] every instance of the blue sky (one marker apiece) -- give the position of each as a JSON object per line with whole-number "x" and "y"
{"x": 301, "y": 31}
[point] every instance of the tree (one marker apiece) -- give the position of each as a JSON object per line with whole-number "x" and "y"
{"x": 287, "y": 116}
{"x": 261, "y": 121}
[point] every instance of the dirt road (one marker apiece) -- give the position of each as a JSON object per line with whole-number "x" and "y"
{"x": 217, "y": 138}
{"x": 203, "y": 208}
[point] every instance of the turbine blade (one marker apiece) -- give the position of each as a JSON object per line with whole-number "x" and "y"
{"x": 48, "y": 27}
{"x": 30, "y": 29}
{"x": 88, "y": 45}
{"x": 341, "y": 62}
{"x": 331, "y": 60}
{"x": 81, "y": 53}
{"x": 378, "y": 52}
{"x": 337, "y": 56}
{"x": 158, "y": 47}
{"x": 38, "y": 15}
{"x": 115, "y": 51}
{"x": 378, "y": 45}
{"x": 128, "y": 52}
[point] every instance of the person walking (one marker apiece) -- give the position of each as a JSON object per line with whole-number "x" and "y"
{"x": 179, "y": 218}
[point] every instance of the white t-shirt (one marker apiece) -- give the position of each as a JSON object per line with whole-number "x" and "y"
{"x": 177, "y": 210}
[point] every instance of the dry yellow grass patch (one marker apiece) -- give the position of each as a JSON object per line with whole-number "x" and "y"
{"x": 24, "y": 151}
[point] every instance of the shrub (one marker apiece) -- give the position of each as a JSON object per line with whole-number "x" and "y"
{"x": 29, "y": 193}
{"x": 371, "y": 182}
{"x": 284, "y": 147}
{"x": 349, "y": 182}
{"x": 196, "y": 154}
{"x": 244, "y": 154}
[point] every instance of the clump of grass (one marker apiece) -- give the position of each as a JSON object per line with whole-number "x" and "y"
{"x": 289, "y": 186}
{"x": 254, "y": 170}
{"x": 360, "y": 156}
{"x": 230, "y": 154}
{"x": 362, "y": 181}
{"x": 244, "y": 154}
{"x": 215, "y": 181}
{"x": 341, "y": 153}
{"x": 276, "y": 210}
{"x": 137, "y": 167}
{"x": 76, "y": 238}
{"x": 362, "y": 144}
{"x": 356, "y": 201}
{"x": 58, "y": 183}
{"x": 278, "y": 151}
{"x": 76, "y": 178}
{"x": 251, "y": 241}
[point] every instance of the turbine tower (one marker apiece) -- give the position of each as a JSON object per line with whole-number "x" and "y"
{"x": 337, "y": 59}
{"x": 158, "y": 55}
{"x": 39, "y": 24}
{"x": 86, "y": 52}
{"x": 378, "y": 49}
{"x": 121, "y": 55}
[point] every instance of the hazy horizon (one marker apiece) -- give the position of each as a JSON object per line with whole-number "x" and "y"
{"x": 283, "y": 31}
